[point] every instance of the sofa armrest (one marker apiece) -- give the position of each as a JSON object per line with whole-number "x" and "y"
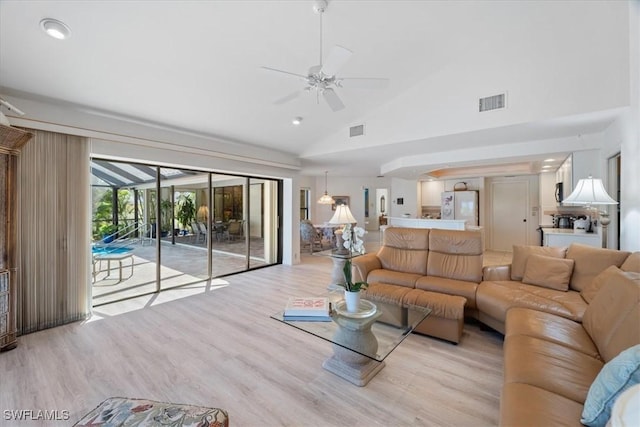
{"x": 496, "y": 272}
{"x": 362, "y": 265}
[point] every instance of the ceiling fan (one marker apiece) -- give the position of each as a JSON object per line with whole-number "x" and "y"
{"x": 322, "y": 78}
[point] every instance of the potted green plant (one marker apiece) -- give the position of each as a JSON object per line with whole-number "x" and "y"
{"x": 186, "y": 211}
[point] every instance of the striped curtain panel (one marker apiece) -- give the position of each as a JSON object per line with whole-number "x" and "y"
{"x": 53, "y": 231}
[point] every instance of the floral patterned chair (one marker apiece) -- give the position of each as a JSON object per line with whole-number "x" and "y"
{"x": 309, "y": 236}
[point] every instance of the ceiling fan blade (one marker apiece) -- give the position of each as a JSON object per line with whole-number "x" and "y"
{"x": 287, "y": 98}
{"x": 363, "y": 83}
{"x": 338, "y": 56}
{"x": 284, "y": 72}
{"x": 332, "y": 99}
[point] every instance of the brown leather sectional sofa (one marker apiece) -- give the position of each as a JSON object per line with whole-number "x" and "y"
{"x": 564, "y": 312}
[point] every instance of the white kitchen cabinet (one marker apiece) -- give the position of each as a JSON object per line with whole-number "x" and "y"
{"x": 563, "y": 237}
{"x": 431, "y": 192}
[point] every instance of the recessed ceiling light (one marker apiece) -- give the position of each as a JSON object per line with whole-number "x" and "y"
{"x": 549, "y": 160}
{"x": 54, "y": 28}
{"x": 546, "y": 166}
{"x": 296, "y": 120}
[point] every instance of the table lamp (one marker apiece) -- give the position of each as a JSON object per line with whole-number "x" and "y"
{"x": 342, "y": 216}
{"x": 590, "y": 191}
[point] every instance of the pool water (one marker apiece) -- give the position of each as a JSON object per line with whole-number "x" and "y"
{"x": 99, "y": 250}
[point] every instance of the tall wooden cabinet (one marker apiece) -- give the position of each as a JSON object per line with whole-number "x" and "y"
{"x": 11, "y": 140}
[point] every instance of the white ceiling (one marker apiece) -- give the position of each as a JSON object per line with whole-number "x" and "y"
{"x": 195, "y": 65}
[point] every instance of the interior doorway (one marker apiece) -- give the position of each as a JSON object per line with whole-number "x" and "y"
{"x": 509, "y": 208}
{"x": 381, "y": 204}
{"x": 613, "y": 188}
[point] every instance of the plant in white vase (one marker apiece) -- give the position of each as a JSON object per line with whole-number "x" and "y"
{"x": 355, "y": 245}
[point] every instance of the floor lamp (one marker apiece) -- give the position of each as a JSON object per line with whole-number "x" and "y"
{"x": 588, "y": 192}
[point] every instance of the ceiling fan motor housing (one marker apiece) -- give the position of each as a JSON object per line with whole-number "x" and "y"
{"x": 319, "y": 6}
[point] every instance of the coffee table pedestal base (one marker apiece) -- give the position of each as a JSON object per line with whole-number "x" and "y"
{"x": 356, "y": 373}
{"x": 356, "y": 334}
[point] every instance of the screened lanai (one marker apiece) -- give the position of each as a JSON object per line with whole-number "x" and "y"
{"x": 155, "y": 228}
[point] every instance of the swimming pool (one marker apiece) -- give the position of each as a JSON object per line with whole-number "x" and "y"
{"x": 101, "y": 250}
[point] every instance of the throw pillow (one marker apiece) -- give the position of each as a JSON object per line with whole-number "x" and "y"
{"x": 548, "y": 272}
{"x": 522, "y": 252}
{"x": 590, "y": 261}
{"x": 590, "y": 291}
{"x": 632, "y": 263}
{"x": 617, "y": 375}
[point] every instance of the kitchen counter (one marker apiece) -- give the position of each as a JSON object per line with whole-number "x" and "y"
{"x": 446, "y": 224}
{"x": 562, "y": 237}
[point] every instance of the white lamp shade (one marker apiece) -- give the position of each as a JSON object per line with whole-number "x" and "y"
{"x": 342, "y": 216}
{"x": 590, "y": 191}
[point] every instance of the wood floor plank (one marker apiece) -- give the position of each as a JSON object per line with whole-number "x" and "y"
{"x": 215, "y": 345}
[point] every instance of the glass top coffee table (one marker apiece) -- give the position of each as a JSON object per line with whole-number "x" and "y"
{"x": 360, "y": 341}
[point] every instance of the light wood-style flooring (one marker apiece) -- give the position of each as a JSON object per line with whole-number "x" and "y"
{"x": 213, "y": 344}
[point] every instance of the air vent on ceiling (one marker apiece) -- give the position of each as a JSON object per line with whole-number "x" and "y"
{"x": 494, "y": 102}
{"x": 356, "y": 131}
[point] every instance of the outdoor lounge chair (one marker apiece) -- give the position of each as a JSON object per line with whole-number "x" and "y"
{"x": 197, "y": 232}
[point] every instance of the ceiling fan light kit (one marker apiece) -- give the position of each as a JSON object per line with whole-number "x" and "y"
{"x": 322, "y": 79}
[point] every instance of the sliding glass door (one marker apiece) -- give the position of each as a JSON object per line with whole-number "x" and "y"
{"x": 174, "y": 227}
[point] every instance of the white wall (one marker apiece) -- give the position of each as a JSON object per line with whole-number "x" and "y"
{"x": 350, "y": 186}
{"x": 547, "y": 197}
{"x": 624, "y": 136}
{"x": 630, "y": 210}
{"x": 408, "y": 191}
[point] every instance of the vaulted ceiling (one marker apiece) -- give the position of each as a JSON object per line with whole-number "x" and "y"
{"x": 195, "y": 67}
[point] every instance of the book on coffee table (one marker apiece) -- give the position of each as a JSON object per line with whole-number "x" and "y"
{"x": 306, "y": 318}
{"x": 307, "y": 308}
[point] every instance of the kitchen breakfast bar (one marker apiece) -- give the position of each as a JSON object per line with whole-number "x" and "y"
{"x": 445, "y": 224}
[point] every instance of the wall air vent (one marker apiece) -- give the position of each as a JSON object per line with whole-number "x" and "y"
{"x": 494, "y": 102}
{"x": 356, "y": 131}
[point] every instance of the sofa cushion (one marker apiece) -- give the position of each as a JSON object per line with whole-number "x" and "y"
{"x": 524, "y": 405}
{"x": 441, "y": 305}
{"x": 391, "y": 277}
{"x": 406, "y": 238}
{"x": 550, "y": 366}
{"x": 612, "y": 319}
{"x": 590, "y": 261}
{"x": 632, "y": 263}
{"x": 390, "y": 294}
{"x": 522, "y": 252}
{"x": 617, "y": 375}
{"x": 405, "y": 260}
{"x": 449, "y": 286}
{"x": 455, "y": 254}
{"x": 495, "y": 298}
{"x": 456, "y": 242}
{"x": 589, "y": 292}
{"x": 549, "y": 327}
{"x": 459, "y": 267}
{"x": 549, "y": 272}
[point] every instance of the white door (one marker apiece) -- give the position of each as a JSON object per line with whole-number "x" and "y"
{"x": 509, "y": 207}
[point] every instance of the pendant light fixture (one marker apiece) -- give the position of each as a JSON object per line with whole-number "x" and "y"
{"x": 326, "y": 199}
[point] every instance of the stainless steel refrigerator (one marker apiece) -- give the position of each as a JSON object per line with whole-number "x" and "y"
{"x": 460, "y": 205}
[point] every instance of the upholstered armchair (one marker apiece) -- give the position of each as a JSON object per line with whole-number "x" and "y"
{"x": 310, "y": 236}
